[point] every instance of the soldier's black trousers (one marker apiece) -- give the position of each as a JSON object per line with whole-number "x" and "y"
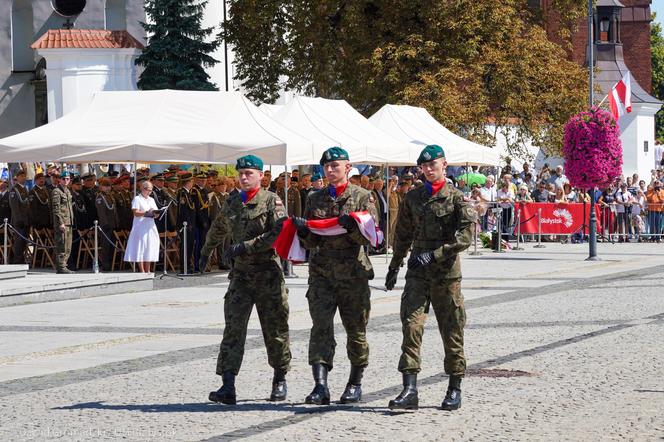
{"x": 268, "y": 292}
{"x": 18, "y": 248}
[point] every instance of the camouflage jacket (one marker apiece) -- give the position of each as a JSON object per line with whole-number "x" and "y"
{"x": 339, "y": 256}
{"x": 256, "y": 224}
{"x": 441, "y": 223}
{"x": 62, "y": 202}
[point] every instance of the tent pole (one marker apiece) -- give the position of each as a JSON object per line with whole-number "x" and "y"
{"x": 387, "y": 202}
{"x": 289, "y": 264}
{"x": 135, "y": 180}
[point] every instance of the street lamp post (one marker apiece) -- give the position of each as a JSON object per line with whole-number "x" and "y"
{"x": 592, "y": 229}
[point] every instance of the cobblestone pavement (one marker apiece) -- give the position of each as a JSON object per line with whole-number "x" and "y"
{"x": 558, "y": 349}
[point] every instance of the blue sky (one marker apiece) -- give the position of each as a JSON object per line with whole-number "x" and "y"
{"x": 658, "y": 7}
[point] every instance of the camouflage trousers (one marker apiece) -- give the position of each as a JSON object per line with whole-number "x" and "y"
{"x": 352, "y": 298}
{"x": 62, "y": 246}
{"x": 447, "y": 302}
{"x": 266, "y": 290}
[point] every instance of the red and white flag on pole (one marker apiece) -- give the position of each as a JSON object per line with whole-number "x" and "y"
{"x": 287, "y": 244}
{"x": 620, "y": 97}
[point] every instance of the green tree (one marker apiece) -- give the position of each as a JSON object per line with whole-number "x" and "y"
{"x": 467, "y": 62}
{"x": 257, "y": 32}
{"x": 657, "y": 48}
{"x": 178, "y": 49}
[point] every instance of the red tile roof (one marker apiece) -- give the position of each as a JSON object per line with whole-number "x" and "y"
{"x": 86, "y": 39}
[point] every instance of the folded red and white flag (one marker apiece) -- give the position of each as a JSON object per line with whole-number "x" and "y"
{"x": 287, "y": 244}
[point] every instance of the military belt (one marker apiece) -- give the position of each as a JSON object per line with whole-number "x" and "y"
{"x": 351, "y": 252}
{"x": 255, "y": 267}
{"x": 427, "y": 244}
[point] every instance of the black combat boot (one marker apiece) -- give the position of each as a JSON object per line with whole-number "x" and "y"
{"x": 407, "y": 399}
{"x": 279, "y": 387}
{"x": 452, "y": 399}
{"x": 320, "y": 395}
{"x": 226, "y": 394}
{"x": 353, "y": 391}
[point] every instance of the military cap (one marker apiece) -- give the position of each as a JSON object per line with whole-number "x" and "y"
{"x": 142, "y": 178}
{"x": 316, "y": 177}
{"x": 50, "y": 166}
{"x": 157, "y": 177}
{"x": 64, "y": 174}
{"x": 201, "y": 176}
{"x": 172, "y": 179}
{"x": 88, "y": 176}
{"x": 249, "y": 162}
{"x": 39, "y": 175}
{"x": 185, "y": 176}
{"x": 104, "y": 181}
{"x": 212, "y": 173}
{"x": 334, "y": 154}
{"x": 20, "y": 172}
{"x": 76, "y": 179}
{"x": 430, "y": 153}
{"x": 113, "y": 173}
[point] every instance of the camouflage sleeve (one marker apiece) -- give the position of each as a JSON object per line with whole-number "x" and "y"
{"x": 58, "y": 209}
{"x": 403, "y": 234}
{"x": 216, "y": 233}
{"x": 467, "y": 217}
{"x": 367, "y": 204}
{"x": 275, "y": 220}
{"x": 309, "y": 240}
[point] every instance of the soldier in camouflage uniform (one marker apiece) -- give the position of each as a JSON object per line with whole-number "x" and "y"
{"x": 436, "y": 221}
{"x": 339, "y": 274}
{"x": 63, "y": 220}
{"x": 252, "y": 219}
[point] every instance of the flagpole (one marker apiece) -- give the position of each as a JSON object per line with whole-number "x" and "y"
{"x": 592, "y": 228}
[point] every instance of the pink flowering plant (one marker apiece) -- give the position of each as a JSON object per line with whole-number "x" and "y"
{"x": 592, "y": 149}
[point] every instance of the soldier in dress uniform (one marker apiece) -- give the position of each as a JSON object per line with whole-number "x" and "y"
{"x": 63, "y": 220}
{"x": 81, "y": 220}
{"x": 5, "y": 210}
{"x": 19, "y": 204}
{"x": 217, "y": 198}
{"x": 89, "y": 193}
{"x": 436, "y": 221}
{"x": 202, "y": 216}
{"x": 120, "y": 204}
{"x": 170, "y": 194}
{"x": 294, "y": 199}
{"x": 252, "y": 220}
{"x": 157, "y": 194}
{"x": 339, "y": 274}
{"x": 187, "y": 211}
{"x": 40, "y": 204}
{"x": 108, "y": 221}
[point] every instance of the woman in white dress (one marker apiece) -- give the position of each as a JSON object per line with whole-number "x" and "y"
{"x": 143, "y": 242}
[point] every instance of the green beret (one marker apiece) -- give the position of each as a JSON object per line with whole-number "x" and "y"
{"x": 333, "y": 154}
{"x": 316, "y": 177}
{"x": 64, "y": 173}
{"x": 249, "y": 162}
{"x": 430, "y": 153}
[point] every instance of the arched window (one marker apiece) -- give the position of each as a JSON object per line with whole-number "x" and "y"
{"x": 116, "y": 15}
{"x": 22, "y": 36}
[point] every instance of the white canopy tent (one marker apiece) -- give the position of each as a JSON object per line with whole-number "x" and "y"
{"x": 335, "y": 123}
{"x": 418, "y": 127}
{"x": 164, "y": 126}
{"x": 270, "y": 109}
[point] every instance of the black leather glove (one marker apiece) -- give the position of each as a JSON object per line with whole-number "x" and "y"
{"x": 202, "y": 263}
{"x": 300, "y": 224}
{"x": 347, "y": 222}
{"x": 234, "y": 251}
{"x": 421, "y": 260}
{"x": 391, "y": 278}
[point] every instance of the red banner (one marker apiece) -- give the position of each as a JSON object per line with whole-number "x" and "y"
{"x": 557, "y": 219}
